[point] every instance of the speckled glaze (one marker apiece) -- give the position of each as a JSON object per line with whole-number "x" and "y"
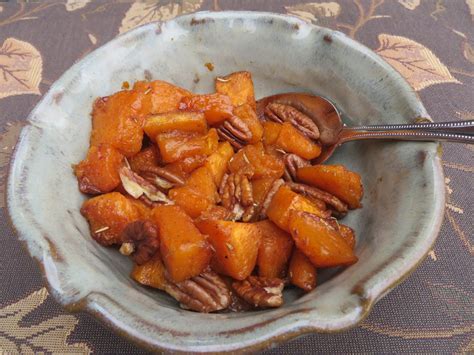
{"x": 404, "y": 194}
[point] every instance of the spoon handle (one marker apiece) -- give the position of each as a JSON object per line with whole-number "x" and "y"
{"x": 458, "y": 131}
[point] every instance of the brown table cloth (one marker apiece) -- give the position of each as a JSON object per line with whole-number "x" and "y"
{"x": 430, "y": 42}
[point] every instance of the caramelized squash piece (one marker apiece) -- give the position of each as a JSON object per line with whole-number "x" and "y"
{"x": 302, "y": 272}
{"x": 335, "y": 179}
{"x": 108, "y": 215}
{"x": 151, "y": 273}
{"x": 116, "y": 120}
{"x": 202, "y": 182}
{"x": 98, "y": 173}
{"x": 216, "y": 107}
{"x": 184, "y": 250}
{"x": 190, "y": 201}
{"x": 348, "y": 234}
{"x": 177, "y": 145}
{"x": 144, "y": 210}
{"x": 271, "y": 131}
{"x": 235, "y": 244}
{"x": 198, "y": 194}
{"x": 247, "y": 114}
{"x": 239, "y": 87}
{"x": 187, "y": 165}
{"x": 218, "y": 161}
{"x": 285, "y": 201}
{"x": 274, "y": 251}
{"x": 148, "y": 157}
{"x": 292, "y": 140}
{"x": 215, "y": 213}
{"x": 260, "y": 188}
{"x": 262, "y": 164}
{"x": 319, "y": 241}
{"x": 159, "y": 96}
{"x": 175, "y": 121}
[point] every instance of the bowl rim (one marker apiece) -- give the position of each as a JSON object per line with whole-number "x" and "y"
{"x": 87, "y": 304}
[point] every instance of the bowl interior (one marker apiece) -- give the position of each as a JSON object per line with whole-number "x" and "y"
{"x": 403, "y": 193}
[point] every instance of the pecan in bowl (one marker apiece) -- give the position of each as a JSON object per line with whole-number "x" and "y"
{"x": 235, "y": 131}
{"x": 140, "y": 240}
{"x": 204, "y": 293}
{"x": 260, "y": 292}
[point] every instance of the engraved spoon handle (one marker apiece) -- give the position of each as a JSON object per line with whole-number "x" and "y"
{"x": 459, "y": 131}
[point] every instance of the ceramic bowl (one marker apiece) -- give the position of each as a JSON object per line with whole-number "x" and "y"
{"x": 404, "y": 194}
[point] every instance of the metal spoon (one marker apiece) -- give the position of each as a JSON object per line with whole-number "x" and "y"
{"x": 333, "y": 132}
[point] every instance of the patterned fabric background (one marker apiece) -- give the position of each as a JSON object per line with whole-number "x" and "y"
{"x": 430, "y": 42}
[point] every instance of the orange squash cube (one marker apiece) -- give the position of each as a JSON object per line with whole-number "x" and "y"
{"x": 293, "y": 141}
{"x": 216, "y": 107}
{"x": 218, "y": 161}
{"x": 253, "y": 156}
{"x": 108, "y": 215}
{"x": 348, "y": 234}
{"x": 187, "y": 165}
{"x": 144, "y": 210}
{"x": 274, "y": 251}
{"x": 198, "y": 194}
{"x": 271, "y": 131}
{"x": 239, "y": 87}
{"x": 190, "y": 201}
{"x": 184, "y": 250}
{"x": 175, "y": 121}
{"x": 302, "y": 272}
{"x": 151, "y": 273}
{"x": 202, "y": 182}
{"x": 159, "y": 96}
{"x": 319, "y": 241}
{"x": 247, "y": 114}
{"x": 335, "y": 179}
{"x": 116, "y": 120}
{"x": 178, "y": 145}
{"x": 260, "y": 188}
{"x": 214, "y": 213}
{"x": 98, "y": 173}
{"x": 285, "y": 201}
{"x": 148, "y": 157}
{"x": 235, "y": 244}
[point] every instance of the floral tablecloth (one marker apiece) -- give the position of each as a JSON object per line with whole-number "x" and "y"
{"x": 430, "y": 42}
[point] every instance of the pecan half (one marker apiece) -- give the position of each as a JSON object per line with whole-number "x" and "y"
{"x": 260, "y": 292}
{"x": 140, "y": 240}
{"x": 86, "y": 187}
{"x": 286, "y": 113}
{"x": 236, "y": 195}
{"x": 204, "y": 293}
{"x": 324, "y": 196}
{"x": 161, "y": 178}
{"x": 292, "y": 163}
{"x": 235, "y": 131}
{"x": 136, "y": 186}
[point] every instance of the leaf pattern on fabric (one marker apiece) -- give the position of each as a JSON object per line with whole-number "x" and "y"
{"x": 416, "y": 63}
{"x": 7, "y": 144}
{"x": 49, "y": 335}
{"x": 470, "y": 5}
{"x": 313, "y": 11}
{"x": 454, "y": 302}
{"x": 141, "y": 13}
{"x": 72, "y": 5}
{"x": 468, "y": 52}
{"x": 410, "y": 4}
{"x": 21, "y": 68}
{"x": 92, "y": 38}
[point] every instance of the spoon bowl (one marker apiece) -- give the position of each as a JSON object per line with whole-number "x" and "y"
{"x": 331, "y": 132}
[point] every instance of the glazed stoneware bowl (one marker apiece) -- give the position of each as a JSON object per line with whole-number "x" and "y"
{"x": 403, "y": 201}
